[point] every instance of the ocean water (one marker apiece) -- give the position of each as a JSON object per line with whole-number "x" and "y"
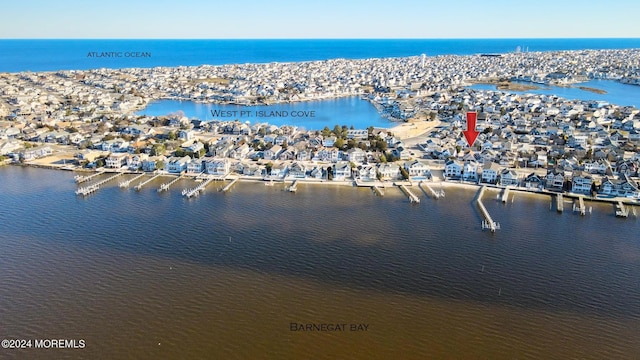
{"x": 146, "y": 275}
{"x": 53, "y": 55}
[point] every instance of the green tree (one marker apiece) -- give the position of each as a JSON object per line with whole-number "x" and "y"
{"x": 383, "y": 159}
{"x": 339, "y": 143}
{"x": 160, "y": 165}
{"x": 403, "y": 171}
{"x": 268, "y": 167}
{"x": 326, "y": 132}
{"x": 180, "y": 152}
{"x": 172, "y": 135}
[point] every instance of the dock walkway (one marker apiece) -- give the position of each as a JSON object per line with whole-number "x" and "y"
{"x": 413, "y": 198}
{"x": 488, "y": 222}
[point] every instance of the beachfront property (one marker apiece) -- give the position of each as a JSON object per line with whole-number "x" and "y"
{"x": 176, "y": 165}
{"x": 116, "y": 161}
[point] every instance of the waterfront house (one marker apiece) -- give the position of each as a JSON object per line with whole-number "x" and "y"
{"x": 470, "y": 171}
{"x": 116, "y": 161}
{"x": 508, "y": 177}
{"x": 356, "y": 155}
{"x": 176, "y": 165}
{"x": 9, "y": 146}
{"x": 367, "y": 172}
{"x": 623, "y": 187}
{"x": 581, "y": 183}
{"x": 554, "y": 180}
{"x": 316, "y": 173}
{"x": 195, "y": 166}
{"x": 279, "y": 170}
{"x": 533, "y": 182}
{"x": 153, "y": 163}
{"x": 297, "y": 170}
{"x": 417, "y": 170}
{"x": 35, "y": 153}
{"x": 217, "y": 166}
{"x": 341, "y": 170}
{"x": 388, "y": 171}
{"x": 453, "y": 169}
{"x": 490, "y": 173}
{"x": 134, "y": 162}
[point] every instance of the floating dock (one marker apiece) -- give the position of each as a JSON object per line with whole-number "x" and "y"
{"x": 139, "y": 186}
{"x": 80, "y": 179}
{"x": 488, "y": 222}
{"x": 435, "y": 194}
{"x": 230, "y": 185}
{"x": 167, "y": 186}
{"x": 413, "y": 198}
{"x": 125, "y": 184}
{"x": 621, "y": 210}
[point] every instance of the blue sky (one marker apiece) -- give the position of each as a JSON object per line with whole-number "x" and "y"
{"x": 254, "y": 19}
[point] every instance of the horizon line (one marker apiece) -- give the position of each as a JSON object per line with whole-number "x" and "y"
{"x": 334, "y": 39}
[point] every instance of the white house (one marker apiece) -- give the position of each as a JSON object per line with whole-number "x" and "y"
{"x": 367, "y": 172}
{"x": 581, "y": 184}
{"x": 195, "y": 166}
{"x": 417, "y": 170}
{"x": 116, "y": 161}
{"x": 176, "y": 165}
{"x": 453, "y": 169}
{"x": 470, "y": 171}
{"x": 508, "y": 177}
{"x": 218, "y": 167}
{"x": 388, "y": 171}
{"x": 489, "y": 173}
{"x": 341, "y": 170}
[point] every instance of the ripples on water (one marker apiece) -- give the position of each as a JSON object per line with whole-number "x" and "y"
{"x": 225, "y": 274}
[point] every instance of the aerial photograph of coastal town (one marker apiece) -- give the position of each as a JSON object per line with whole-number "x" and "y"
{"x": 342, "y": 180}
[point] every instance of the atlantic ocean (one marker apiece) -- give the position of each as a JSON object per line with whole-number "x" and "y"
{"x": 19, "y": 55}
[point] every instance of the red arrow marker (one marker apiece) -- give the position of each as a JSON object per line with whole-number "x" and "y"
{"x": 471, "y": 134}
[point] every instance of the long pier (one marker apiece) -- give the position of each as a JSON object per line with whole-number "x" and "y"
{"x": 125, "y": 184}
{"x": 166, "y": 186}
{"x": 139, "y": 186}
{"x": 94, "y": 187}
{"x": 559, "y": 203}
{"x": 431, "y": 191}
{"x": 80, "y": 179}
{"x": 229, "y": 185}
{"x": 189, "y": 193}
{"x": 413, "y": 198}
{"x": 488, "y": 222}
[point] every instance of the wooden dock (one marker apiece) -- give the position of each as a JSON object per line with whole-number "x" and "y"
{"x": 230, "y": 185}
{"x": 435, "y": 194}
{"x": 559, "y": 203}
{"x": 580, "y": 206}
{"x": 139, "y": 186}
{"x": 294, "y": 186}
{"x": 167, "y": 186}
{"x": 96, "y": 186}
{"x": 80, "y": 179}
{"x": 189, "y": 193}
{"x": 621, "y": 210}
{"x": 505, "y": 195}
{"x": 488, "y": 222}
{"x": 125, "y": 184}
{"x": 378, "y": 190}
{"x": 413, "y": 198}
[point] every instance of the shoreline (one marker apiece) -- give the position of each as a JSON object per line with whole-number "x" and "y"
{"x": 357, "y": 184}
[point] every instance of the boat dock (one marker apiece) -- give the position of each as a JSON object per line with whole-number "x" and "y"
{"x": 621, "y": 210}
{"x": 413, "y": 198}
{"x": 580, "y": 206}
{"x": 166, "y": 186}
{"x": 488, "y": 222}
{"x": 559, "y": 203}
{"x": 378, "y": 190}
{"x": 94, "y": 187}
{"x": 189, "y": 193}
{"x": 230, "y": 185}
{"x": 505, "y": 195}
{"x": 80, "y": 179}
{"x": 125, "y": 184}
{"x": 139, "y": 186}
{"x": 84, "y": 191}
{"x": 294, "y": 186}
{"x": 435, "y": 194}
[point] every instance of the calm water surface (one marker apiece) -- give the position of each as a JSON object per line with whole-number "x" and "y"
{"x": 142, "y": 275}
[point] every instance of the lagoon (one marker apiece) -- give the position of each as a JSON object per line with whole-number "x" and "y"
{"x": 616, "y": 93}
{"x": 311, "y": 115}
